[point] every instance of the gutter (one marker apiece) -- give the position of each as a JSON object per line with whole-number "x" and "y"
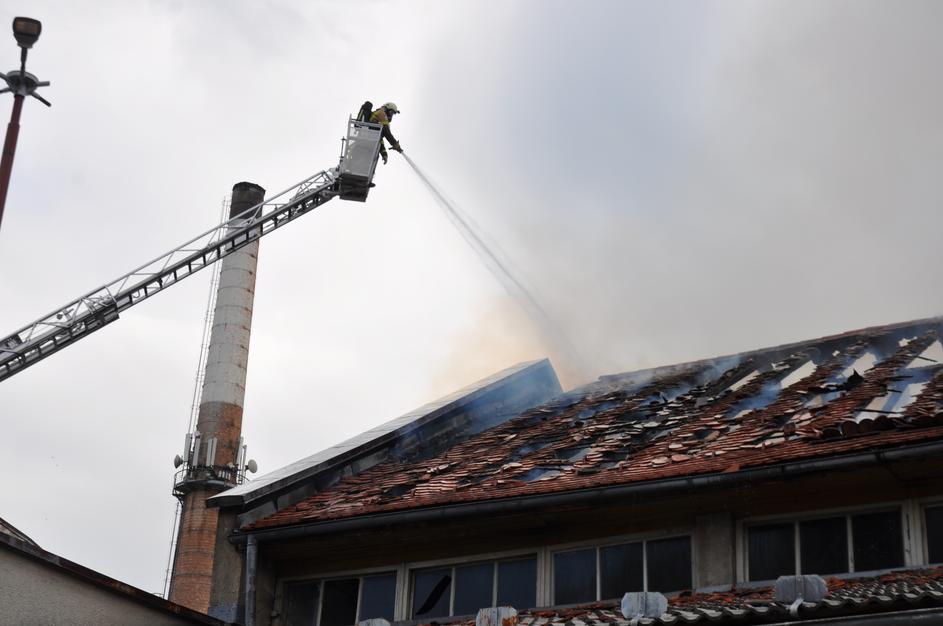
{"x": 928, "y": 617}
{"x": 525, "y": 503}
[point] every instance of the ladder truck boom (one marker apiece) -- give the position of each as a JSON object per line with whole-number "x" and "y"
{"x": 350, "y": 180}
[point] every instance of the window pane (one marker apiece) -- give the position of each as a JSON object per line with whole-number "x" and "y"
{"x": 621, "y": 570}
{"x": 823, "y": 546}
{"x": 340, "y": 602}
{"x": 432, "y": 590}
{"x": 669, "y": 564}
{"x": 772, "y": 551}
{"x": 517, "y": 583}
{"x": 473, "y": 588}
{"x": 377, "y": 597}
{"x": 574, "y": 576}
{"x": 878, "y": 541}
{"x": 935, "y": 534}
{"x": 301, "y": 604}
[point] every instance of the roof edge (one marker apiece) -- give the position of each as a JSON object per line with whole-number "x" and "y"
{"x": 6, "y": 528}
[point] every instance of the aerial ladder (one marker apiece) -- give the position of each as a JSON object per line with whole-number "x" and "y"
{"x": 352, "y": 179}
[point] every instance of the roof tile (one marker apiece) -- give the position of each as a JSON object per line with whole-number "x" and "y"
{"x": 721, "y": 415}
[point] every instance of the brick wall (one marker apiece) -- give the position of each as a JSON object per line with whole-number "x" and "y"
{"x": 193, "y": 563}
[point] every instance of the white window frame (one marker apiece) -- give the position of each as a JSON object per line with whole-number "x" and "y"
{"x": 910, "y": 512}
{"x": 598, "y": 545}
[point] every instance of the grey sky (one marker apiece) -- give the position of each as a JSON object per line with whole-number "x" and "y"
{"x": 676, "y": 180}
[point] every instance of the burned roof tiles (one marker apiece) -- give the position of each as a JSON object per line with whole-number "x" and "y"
{"x": 751, "y": 410}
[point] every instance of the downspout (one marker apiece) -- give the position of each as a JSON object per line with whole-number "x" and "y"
{"x": 252, "y": 554}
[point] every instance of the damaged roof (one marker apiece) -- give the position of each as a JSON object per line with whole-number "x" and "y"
{"x": 864, "y": 390}
{"x": 420, "y": 433}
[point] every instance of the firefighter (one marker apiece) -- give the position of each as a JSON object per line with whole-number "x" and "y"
{"x": 383, "y": 116}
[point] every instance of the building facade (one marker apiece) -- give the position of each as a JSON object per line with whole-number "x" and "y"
{"x": 704, "y": 481}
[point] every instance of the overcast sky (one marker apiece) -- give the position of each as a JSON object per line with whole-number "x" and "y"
{"x": 675, "y": 180}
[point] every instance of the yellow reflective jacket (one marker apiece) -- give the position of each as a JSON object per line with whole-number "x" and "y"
{"x": 379, "y": 117}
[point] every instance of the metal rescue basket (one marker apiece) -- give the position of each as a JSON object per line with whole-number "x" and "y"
{"x": 359, "y": 160}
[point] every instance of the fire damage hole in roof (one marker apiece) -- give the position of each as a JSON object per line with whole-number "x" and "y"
{"x": 821, "y": 395}
{"x": 743, "y": 382}
{"x": 861, "y": 365}
{"x": 594, "y": 410}
{"x": 894, "y": 401}
{"x": 529, "y": 449}
{"x": 766, "y": 396}
{"x": 540, "y": 473}
{"x": 397, "y": 490}
{"x": 800, "y": 373}
{"x": 933, "y": 354}
{"x": 572, "y": 454}
{"x": 612, "y": 458}
{"x": 667, "y": 394}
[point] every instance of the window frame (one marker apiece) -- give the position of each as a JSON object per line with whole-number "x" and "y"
{"x": 320, "y": 579}
{"x": 598, "y": 545}
{"x": 545, "y": 570}
{"x": 907, "y": 509}
{"x": 481, "y": 559}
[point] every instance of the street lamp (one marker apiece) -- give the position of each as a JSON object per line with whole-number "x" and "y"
{"x": 20, "y": 83}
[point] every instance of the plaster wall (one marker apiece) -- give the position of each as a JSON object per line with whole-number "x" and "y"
{"x": 32, "y": 592}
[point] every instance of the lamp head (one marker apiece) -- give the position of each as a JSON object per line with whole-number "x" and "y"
{"x": 26, "y": 31}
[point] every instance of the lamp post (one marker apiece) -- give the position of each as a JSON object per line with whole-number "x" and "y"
{"x": 21, "y": 84}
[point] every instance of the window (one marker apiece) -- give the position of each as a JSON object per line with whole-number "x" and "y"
{"x": 517, "y": 583}
{"x": 933, "y": 516}
{"x": 432, "y": 592}
{"x": 473, "y": 587}
{"x": 301, "y": 603}
{"x": 824, "y": 545}
{"x": 772, "y": 551}
{"x": 339, "y": 601}
{"x": 621, "y": 569}
{"x": 377, "y": 594}
{"x": 878, "y": 540}
{"x": 607, "y": 572}
{"x": 574, "y": 576}
{"x": 833, "y": 545}
{"x": 463, "y": 589}
{"x": 669, "y": 564}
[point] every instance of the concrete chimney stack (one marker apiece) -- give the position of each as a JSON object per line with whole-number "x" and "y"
{"x": 212, "y": 460}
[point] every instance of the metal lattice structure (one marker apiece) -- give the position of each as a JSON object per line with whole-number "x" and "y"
{"x": 350, "y": 180}
{"x": 101, "y": 306}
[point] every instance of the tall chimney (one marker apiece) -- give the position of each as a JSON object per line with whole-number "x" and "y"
{"x": 212, "y": 460}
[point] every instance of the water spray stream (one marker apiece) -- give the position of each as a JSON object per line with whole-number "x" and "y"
{"x": 499, "y": 266}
